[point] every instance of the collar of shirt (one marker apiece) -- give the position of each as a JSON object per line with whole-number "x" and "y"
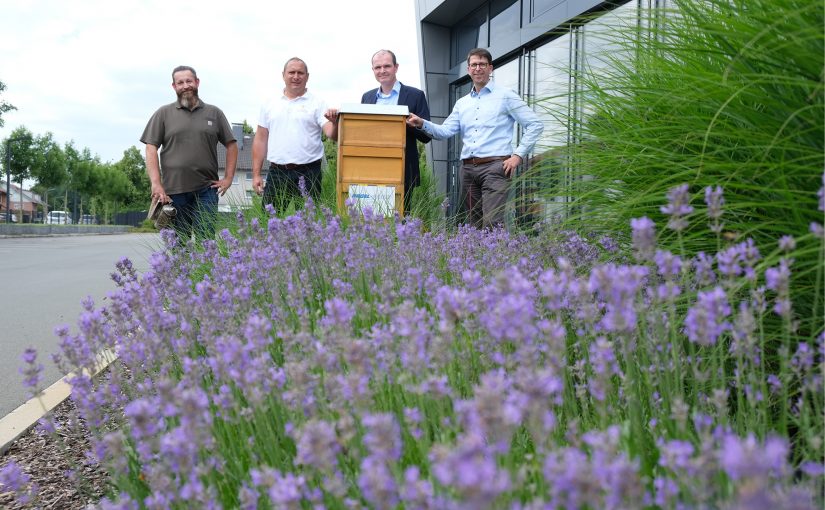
{"x": 181, "y": 107}
{"x": 391, "y": 98}
{"x": 487, "y": 89}
{"x": 305, "y": 95}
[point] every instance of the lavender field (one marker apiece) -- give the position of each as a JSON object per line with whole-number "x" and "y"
{"x": 306, "y": 363}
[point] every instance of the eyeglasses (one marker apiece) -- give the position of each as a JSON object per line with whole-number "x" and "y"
{"x": 478, "y": 65}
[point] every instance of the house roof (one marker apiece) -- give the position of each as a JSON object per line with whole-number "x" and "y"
{"x": 28, "y": 195}
{"x": 244, "y": 155}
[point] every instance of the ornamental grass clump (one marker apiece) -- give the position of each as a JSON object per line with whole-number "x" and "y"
{"x": 302, "y": 364}
{"x": 719, "y": 94}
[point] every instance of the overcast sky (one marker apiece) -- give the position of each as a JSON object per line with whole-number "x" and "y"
{"x": 94, "y": 71}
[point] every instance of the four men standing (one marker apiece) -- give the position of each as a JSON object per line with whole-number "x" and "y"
{"x": 289, "y": 135}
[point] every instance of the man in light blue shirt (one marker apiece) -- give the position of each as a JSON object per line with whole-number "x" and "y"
{"x": 485, "y": 119}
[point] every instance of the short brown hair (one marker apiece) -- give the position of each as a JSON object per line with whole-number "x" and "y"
{"x": 480, "y": 52}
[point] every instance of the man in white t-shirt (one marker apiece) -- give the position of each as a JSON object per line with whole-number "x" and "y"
{"x": 289, "y": 136}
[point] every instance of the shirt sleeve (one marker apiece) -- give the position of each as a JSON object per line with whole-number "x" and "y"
{"x": 450, "y": 127}
{"x": 154, "y": 131}
{"x": 225, "y": 135}
{"x": 319, "y": 114}
{"x": 263, "y": 116}
{"x": 531, "y": 125}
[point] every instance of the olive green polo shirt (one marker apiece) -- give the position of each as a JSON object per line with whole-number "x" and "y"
{"x": 188, "y": 144}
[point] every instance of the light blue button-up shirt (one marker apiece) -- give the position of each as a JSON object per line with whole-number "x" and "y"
{"x": 391, "y": 98}
{"x": 485, "y": 120}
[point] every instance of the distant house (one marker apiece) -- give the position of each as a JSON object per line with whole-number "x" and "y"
{"x": 239, "y": 195}
{"x": 25, "y": 204}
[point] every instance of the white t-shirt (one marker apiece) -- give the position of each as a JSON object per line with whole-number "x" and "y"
{"x": 294, "y": 129}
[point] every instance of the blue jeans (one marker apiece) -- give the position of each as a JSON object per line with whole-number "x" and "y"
{"x": 196, "y": 214}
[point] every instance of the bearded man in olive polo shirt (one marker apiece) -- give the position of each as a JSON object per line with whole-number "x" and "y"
{"x": 186, "y": 173}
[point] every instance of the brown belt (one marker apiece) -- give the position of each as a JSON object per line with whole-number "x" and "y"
{"x": 482, "y": 161}
{"x": 290, "y": 166}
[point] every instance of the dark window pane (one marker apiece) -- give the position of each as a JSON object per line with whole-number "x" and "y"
{"x": 505, "y": 18}
{"x": 469, "y": 33}
{"x": 539, "y": 7}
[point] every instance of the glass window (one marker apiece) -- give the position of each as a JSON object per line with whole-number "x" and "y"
{"x": 507, "y": 75}
{"x": 469, "y": 33}
{"x": 601, "y": 46}
{"x": 505, "y": 18}
{"x": 539, "y": 7}
{"x": 249, "y": 176}
{"x": 456, "y": 204}
{"x": 552, "y": 85}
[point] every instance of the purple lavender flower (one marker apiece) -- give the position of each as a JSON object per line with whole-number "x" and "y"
{"x": 490, "y": 413}
{"x": 668, "y": 264}
{"x": 471, "y": 470}
{"x": 618, "y": 287}
{"x": 787, "y": 243}
{"x": 644, "y": 238}
{"x": 743, "y": 458}
{"x": 416, "y": 493}
{"x": 123, "y": 502}
{"x": 383, "y": 436}
{"x": 703, "y": 269}
{"x": 339, "y": 313}
{"x": 13, "y": 478}
{"x": 317, "y": 446}
{"x": 705, "y": 321}
{"x": 285, "y": 490}
{"x": 677, "y": 207}
{"x": 778, "y": 280}
{"x": 676, "y": 455}
{"x": 143, "y": 418}
{"x": 32, "y": 371}
{"x": 377, "y": 483}
{"x": 715, "y": 201}
{"x": 817, "y": 230}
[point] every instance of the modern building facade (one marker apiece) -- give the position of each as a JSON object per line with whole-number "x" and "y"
{"x": 537, "y": 46}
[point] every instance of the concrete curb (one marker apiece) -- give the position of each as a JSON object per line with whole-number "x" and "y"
{"x": 22, "y": 419}
{"x": 40, "y": 230}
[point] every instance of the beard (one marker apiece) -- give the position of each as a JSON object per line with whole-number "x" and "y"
{"x": 188, "y": 98}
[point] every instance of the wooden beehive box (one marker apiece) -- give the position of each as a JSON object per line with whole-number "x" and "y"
{"x": 371, "y": 142}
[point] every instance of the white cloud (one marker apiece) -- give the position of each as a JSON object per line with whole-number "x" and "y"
{"x": 94, "y": 71}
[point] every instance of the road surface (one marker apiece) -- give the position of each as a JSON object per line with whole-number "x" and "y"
{"x": 42, "y": 282}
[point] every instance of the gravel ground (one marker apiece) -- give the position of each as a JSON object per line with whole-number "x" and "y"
{"x": 50, "y": 460}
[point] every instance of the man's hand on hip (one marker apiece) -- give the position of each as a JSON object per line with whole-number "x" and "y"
{"x": 222, "y": 185}
{"x": 510, "y": 164}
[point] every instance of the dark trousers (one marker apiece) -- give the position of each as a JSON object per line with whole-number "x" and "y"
{"x": 410, "y": 183}
{"x": 196, "y": 212}
{"x": 486, "y": 187}
{"x": 283, "y": 183}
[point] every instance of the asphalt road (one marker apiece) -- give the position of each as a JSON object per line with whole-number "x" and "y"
{"x": 42, "y": 282}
